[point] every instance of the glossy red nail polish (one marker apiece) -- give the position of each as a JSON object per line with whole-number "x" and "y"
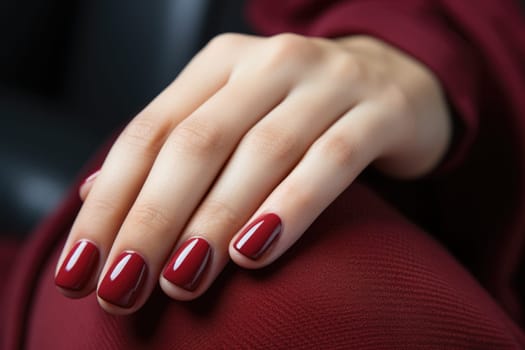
{"x": 90, "y": 178}
{"x": 258, "y": 236}
{"x": 189, "y": 262}
{"x": 78, "y": 266}
{"x": 123, "y": 281}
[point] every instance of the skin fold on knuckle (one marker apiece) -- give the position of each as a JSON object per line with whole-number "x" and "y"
{"x": 214, "y": 214}
{"x": 144, "y": 134}
{"x": 148, "y": 218}
{"x": 100, "y": 211}
{"x": 274, "y": 143}
{"x": 198, "y": 138}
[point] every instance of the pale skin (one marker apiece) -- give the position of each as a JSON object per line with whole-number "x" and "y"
{"x": 256, "y": 125}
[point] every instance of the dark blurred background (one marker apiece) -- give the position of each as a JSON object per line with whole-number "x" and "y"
{"x": 72, "y": 72}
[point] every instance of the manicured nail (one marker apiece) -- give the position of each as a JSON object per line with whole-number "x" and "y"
{"x": 78, "y": 266}
{"x": 90, "y": 178}
{"x": 258, "y": 236}
{"x": 189, "y": 262}
{"x": 123, "y": 281}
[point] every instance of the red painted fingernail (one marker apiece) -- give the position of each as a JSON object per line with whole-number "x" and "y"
{"x": 90, "y": 178}
{"x": 187, "y": 265}
{"x": 78, "y": 266}
{"x": 258, "y": 236}
{"x": 123, "y": 281}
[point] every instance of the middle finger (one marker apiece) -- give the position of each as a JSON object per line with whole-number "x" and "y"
{"x": 263, "y": 158}
{"x": 186, "y": 166}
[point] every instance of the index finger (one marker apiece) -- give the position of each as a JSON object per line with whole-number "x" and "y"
{"x": 128, "y": 163}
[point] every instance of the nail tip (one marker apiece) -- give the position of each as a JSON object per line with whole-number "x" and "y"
{"x": 123, "y": 282}
{"x": 187, "y": 266}
{"x": 78, "y": 267}
{"x": 258, "y": 236}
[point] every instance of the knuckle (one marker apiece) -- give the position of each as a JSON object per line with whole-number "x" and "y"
{"x": 101, "y": 205}
{"x": 223, "y": 41}
{"x": 100, "y": 210}
{"x": 142, "y": 132}
{"x": 349, "y": 68}
{"x": 287, "y": 39}
{"x": 340, "y": 148}
{"x": 397, "y": 98}
{"x": 217, "y": 213}
{"x": 274, "y": 142}
{"x": 150, "y": 216}
{"x": 288, "y": 47}
{"x": 198, "y": 138}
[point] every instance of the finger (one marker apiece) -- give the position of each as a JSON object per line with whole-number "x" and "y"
{"x": 327, "y": 169}
{"x": 185, "y": 168}
{"x": 127, "y": 166}
{"x": 262, "y": 159}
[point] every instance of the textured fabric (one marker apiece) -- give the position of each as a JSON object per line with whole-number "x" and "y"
{"x": 364, "y": 276}
{"x": 475, "y": 202}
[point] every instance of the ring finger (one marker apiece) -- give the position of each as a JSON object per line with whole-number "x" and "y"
{"x": 263, "y": 158}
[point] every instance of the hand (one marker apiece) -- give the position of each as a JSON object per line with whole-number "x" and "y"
{"x": 240, "y": 154}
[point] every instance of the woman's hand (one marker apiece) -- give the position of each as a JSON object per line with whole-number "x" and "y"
{"x": 240, "y": 154}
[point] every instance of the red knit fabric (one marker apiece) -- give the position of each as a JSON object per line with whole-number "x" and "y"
{"x": 476, "y": 201}
{"x": 364, "y": 276}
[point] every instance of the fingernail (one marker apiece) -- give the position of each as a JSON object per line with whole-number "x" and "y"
{"x": 189, "y": 262}
{"x": 90, "y": 178}
{"x": 78, "y": 266}
{"x": 258, "y": 236}
{"x": 123, "y": 281}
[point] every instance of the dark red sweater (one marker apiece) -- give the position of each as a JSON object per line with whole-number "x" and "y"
{"x": 476, "y": 201}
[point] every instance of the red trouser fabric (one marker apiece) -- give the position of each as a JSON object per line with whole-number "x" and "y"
{"x": 362, "y": 277}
